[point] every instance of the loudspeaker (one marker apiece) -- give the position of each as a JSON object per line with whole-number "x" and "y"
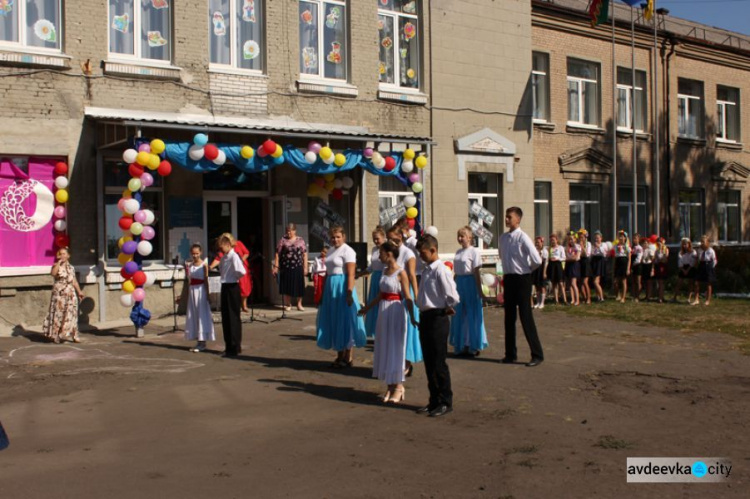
{"x": 361, "y": 250}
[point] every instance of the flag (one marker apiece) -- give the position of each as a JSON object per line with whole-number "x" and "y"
{"x": 648, "y": 12}
{"x": 598, "y": 11}
{"x": 632, "y": 3}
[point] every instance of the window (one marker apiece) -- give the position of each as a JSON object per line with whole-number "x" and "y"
{"x": 486, "y": 189}
{"x": 585, "y": 207}
{"x": 398, "y": 25}
{"x": 690, "y": 109}
{"x": 31, "y": 23}
{"x": 235, "y": 31}
{"x": 323, "y": 39}
{"x": 728, "y": 114}
{"x": 691, "y": 214}
{"x": 543, "y": 209}
{"x": 540, "y": 85}
{"x": 391, "y": 192}
{"x": 583, "y": 93}
{"x": 140, "y": 29}
{"x": 625, "y": 96}
{"x": 343, "y": 207}
{"x": 625, "y": 210}
{"x": 116, "y": 178}
{"x": 729, "y": 216}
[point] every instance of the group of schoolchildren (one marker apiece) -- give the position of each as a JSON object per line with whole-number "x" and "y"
{"x": 576, "y": 269}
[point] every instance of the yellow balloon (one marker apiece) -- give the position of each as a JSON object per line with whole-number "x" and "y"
{"x": 325, "y": 152}
{"x": 61, "y": 196}
{"x": 142, "y": 158}
{"x": 247, "y": 152}
{"x": 123, "y": 240}
{"x": 278, "y": 152}
{"x": 329, "y": 186}
{"x": 409, "y": 154}
{"x": 329, "y": 177}
{"x": 339, "y": 160}
{"x": 153, "y": 162}
{"x": 124, "y": 258}
{"x": 157, "y": 146}
{"x": 412, "y": 212}
{"x": 127, "y": 194}
{"x": 420, "y": 162}
{"x": 128, "y": 286}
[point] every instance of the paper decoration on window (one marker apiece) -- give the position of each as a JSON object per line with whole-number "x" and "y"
{"x": 334, "y": 55}
{"x": 381, "y": 25}
{"x": 248, "y": 11}
{"x": 220, "y": 27}
{"x": 410, "y": 7}
{"x": 307, "y": 17}
{"x": 481, "y": 232}
{"x": 391, "y": 215}
{"x": 319, "y": 232}
{"x": 404, "y": 52}
{"x": 410, "y": 73}
{"x": 6, "y": 6}
{"x": 121, "y": 23}
{"x": 381, "y": 68}
{"x": 333, "y": 17}
{"x": 13, "y": 199}
{"x": 250, "y": 50}
{"x": 326, "y": 213}
{"x": 155, "y": 39}
{"x": 410, "y": 31}
{"x": 160, "y": 4}
{"x": 387, "y": 42}
{"x": 481, "y": 213}
{"x": 45, "y": 30}
{"x": 309, "y": 58}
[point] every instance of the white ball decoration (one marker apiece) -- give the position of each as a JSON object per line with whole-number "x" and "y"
{"x": 407, "y": 166}
{"x": 150, "y": 279}
{"x": 378, "y": 165}
{"x": 330, "y": 159}
{"x": 311, "y": 157}
{"x": 126, "y": 300}
{"x": 150, "y": 217}
{"x": 145, "y": 248}
{"x": 221, "y": 158}
{"x": 131, "y": 206}
{"x": 60, "y": 225}
{"x": 376, "y": 157}
{"x": 431, "y": 230}
{"x": 61, "y": 182}
{"x": 410, "y": 201}
{"x": 489, "y": 280}
{"x": 347, "y": 182}
{"x": 195, "y": 152}
{"x": 338, "y": 183}
{"x": 129, "y": 155}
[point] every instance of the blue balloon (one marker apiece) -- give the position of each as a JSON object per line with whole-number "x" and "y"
{"x": 200, "y": 139}
{"x": 279, "y": 160}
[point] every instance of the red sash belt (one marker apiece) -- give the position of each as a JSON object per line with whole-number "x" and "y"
{"x": 196, "y": 282}
{"x": 390, "y": 296}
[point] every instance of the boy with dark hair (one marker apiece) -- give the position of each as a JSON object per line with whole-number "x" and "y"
{"x": 436, "y": 299}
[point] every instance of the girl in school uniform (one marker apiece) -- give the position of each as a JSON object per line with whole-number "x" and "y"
{"x": 687, "y": 261}
{"x": 647, "y": 266}
{"x": 318, "y": 272}
{"x": 555, "y": 270}
{"x": 573, "y": 267}
{"x": 599, "y": 252}
{"x": 375, "y": 271}
{"x": 339, "y": 327}
{"x": 622, "y": 265}
{"x": 468, "y": 335}
{"x": 706, "y": 269}
{"x": 390, "y": 339}
{"x": 539, "y": 274}
{"x": 585, "y": 262}
{"x": 636, "y": 255}
{"x": 407, "y": 260}
{"x": 199, "y": 323}
{"x": 661, "y": 258}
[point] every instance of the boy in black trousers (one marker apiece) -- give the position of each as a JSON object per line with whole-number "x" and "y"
{"x": 436, "y": 299}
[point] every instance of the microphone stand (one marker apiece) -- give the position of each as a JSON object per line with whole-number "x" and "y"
{"x": 283, "y": 308}
{"x": 175, "y": 263}
{"x": 252, "y": 301}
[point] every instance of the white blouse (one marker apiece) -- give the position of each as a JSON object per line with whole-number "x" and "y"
{"x": 708, "y": 255}
{"x": 687, "y": 259}
{"x": 601, "y": 250}
{"x": 404, "y": 255}
{"x": 337, "y": 259}
{"x": 375, "y": 263}
{"x": 557, "y": 254}
{"x": 466, "y": 260}
{"x": 637, "y": 254}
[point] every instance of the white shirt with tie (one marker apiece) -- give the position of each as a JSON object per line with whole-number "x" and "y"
{"x": 518, "y": 253}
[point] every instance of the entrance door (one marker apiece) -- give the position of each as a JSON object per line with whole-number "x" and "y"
{"x": 277, "y": 222}
{"x": 221, "y": 217}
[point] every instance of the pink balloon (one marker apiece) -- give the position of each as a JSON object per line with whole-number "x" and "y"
{"x": 148, "y": 233}
{"x": 139, "y": 294}
{"x": 144, "y": 148}
{"x": 261, "y": 151}
{"x": 414, "y": 178}
{"x": 60, "y": 210}
{"x": 147, "y": 179}
{"x": 368, "y": 152}
{"x": 314, "y": 147}
{"x": 120, "y": 206}
{"x": 140, "y": 216}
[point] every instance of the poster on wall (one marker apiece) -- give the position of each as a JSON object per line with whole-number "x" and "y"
{"x": 26, "y": 211}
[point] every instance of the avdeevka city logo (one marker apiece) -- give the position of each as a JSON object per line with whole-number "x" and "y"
{"x": 699, "y": 469}
{"x": 678, "y": 469}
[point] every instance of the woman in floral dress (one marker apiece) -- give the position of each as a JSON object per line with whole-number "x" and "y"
{"x": 62, "y": 320}
{"x": 290, "y": 264}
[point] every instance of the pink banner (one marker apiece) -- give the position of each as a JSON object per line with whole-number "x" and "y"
{"x": 26, "y": 212}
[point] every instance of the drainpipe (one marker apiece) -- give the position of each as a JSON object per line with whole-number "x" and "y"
{"x": 668, "y": 114}
{"x": 432, "y": 131}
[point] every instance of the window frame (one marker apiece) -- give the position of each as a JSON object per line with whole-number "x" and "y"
{"x": 701, "y": 204}
{"x": 479, "y": 197}
{"x": 629, "y": 96}
{"x": 723, "y": 224}
{"x": 22, "y": 46}
{"x": 547, "y": 202}
{"x": 721, "y": 116}
{"x": 537, "y": 74}
{"x": 217, "y": 67}
{"x": 642, "y": 207}
{"x": 583, "y": 203}
{"x": 396, "y": 87}
{"x": 580, "y": 81}
{"x": 320, "y": 77}
{"x": 137, "y": 42}
{"x": 687, "y": 98}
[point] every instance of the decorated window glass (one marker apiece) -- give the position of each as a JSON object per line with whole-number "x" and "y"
{"x": 398, "y": 27}
{"x": 141, "y": 29}
{"x": 235, "y": 30}
{"x": 31, "y": 23}
{"x": 323, "y": 39}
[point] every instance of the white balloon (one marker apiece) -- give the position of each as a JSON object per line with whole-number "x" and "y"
{"x": 410, "y": 201}
{"x": 347, "y": 182}
{"x": 150, "y": 279}
{"x": 330, "y": 160}
{"x": 131, "y": 206}
{"x": 150, "y": 217}
{"x": 407, "y": 166}
{"x": 338, "y": 183}
{"x": 129, "y": 155}
{"x": 311, "y": 157}
{"x": 61, "y": 182}
{"x": 221, "y": 158}
{"x": 126, "y": 300}
{"x": 381, "y": 163}
{"x": 145, "y": 248}
{"x": 60, "y": 225}
{"x": 489, "y": 280}
{"x": 376, "y": 157}
{"x": 412, "y": 233}
{"x": 195, "y": 152}
{"x": 431, "y": 230}
{"x": 378, "y": 165}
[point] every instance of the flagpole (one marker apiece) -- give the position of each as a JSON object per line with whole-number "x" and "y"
{"x": 614, "y": 127}
{"x": 632, "y": 123}
{"x": 657, "y": 127}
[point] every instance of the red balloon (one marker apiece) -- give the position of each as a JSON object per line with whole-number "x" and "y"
{"x": 390, "y": 164}
{"x": 126, "y": 222}
{"x": 321, "y": 182}
{"x": 337, "y": 194}
{"x": 139, "y": 278}
{"x": 449, "y": 265}
{"x": 210, "y": 151}
{"x": 125, "y": 274}
{"x": 269, "y": 146}
{"x": 411, "y": 222}
{"x": 61, "y": 168}
{"x": 165, "y": 168}
{"x": 62, "y": 241}
{"x": 135, "y": 170}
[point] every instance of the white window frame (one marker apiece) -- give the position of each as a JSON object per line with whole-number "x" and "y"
{"x": 233, "y": 67}
{"x": 579, "y": 81}
{"x": 545, "y": 75}
{"x": 721, "y": 116}
{"x": 723, "y": 207}
{"x": 547, "y": 202}
{"x": 135, "y": 58}
{"x": 629, "y": 102}
{"x": 686, "y": 100}
{"x": 20, "y": 45}
{"x": 320, "y": 77}
{"x": 686, "y": 207}
{"x": 396, "y": 86}
{"x": 583, "y": 203}
{"x": 394, "y": 197}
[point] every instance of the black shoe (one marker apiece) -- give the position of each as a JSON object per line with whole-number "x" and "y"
{"x": 425, "y": 410}
{"x": 229, "y": 355}
{"x": 534, "y": 362}
{"x": 440, "y": 410}
{"x": 508, "y": 360}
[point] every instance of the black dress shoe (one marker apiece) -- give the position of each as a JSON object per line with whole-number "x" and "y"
{"x": 508, "y": 360}
{"x": 440, "y": 410}
{"x": 229, "y": 355}
{"x": 534, "y": 362}
{"x": 426, "y": 409}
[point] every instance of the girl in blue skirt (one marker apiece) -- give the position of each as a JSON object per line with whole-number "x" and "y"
{"x": 468, "y": 336}
{"x": 375, "y": 271}
{"x": 339, "y": 326}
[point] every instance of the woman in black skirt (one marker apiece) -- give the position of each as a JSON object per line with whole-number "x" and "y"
{"x": 706, "y": 269}
{"x": 583, "y": 242}
{"x": 599, "y": 253}
{"x": 622, "y": 265}
{"x": 290, "y": 265}
{"x": 555, "y": 269}
{"x": 573, "y": 268}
